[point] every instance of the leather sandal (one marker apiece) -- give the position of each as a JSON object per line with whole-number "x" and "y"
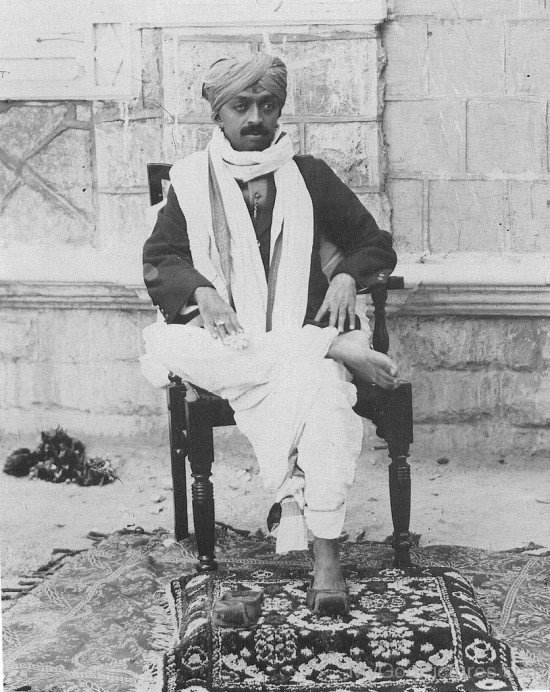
{"x": 328, "y": 602}
{"x": 240, "y": 608}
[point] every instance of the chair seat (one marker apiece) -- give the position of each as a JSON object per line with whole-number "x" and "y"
{"x": 374, "y": 403}
{"x": 217, "y": 409}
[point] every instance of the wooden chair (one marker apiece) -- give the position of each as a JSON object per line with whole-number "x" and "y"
{"x": 195, "y": 412}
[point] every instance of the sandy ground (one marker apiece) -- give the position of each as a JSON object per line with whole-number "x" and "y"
{"x": 481, "y": 503}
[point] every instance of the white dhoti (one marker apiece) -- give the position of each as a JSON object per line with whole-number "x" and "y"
{"x": 291, "y": 402}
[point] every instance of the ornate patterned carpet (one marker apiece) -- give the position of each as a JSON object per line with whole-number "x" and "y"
{"x": 98, "y": 622}
{"x": 414, "y": 629}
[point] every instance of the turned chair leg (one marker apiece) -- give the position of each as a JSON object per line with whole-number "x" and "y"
{"x": 201, "y": 458}
{"x": 400, "y": 501}
{"x": 178, "y": 452}
{"x": 397, "y": 430}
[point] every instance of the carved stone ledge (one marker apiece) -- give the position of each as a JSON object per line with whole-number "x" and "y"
{"x": 73, "y": 296}
{"x": 474, "y": 284}
{"x": 245, "y": 13}
{"x": 480, "y": 300}
{"x": 423, "y": 300}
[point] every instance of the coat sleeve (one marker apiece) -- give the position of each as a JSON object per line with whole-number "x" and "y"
{"x": 168, "y": 269}
{"x": 347, "y": 224}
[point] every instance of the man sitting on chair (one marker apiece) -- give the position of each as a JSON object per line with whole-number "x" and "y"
{"x": 235, "y": 265}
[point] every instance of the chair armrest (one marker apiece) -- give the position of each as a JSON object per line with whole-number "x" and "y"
{"x": 382, "y": 279}
{"x": 378, "y": 286}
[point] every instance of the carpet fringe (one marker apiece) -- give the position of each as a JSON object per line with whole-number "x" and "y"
{"x": 165, "y": 623}
{"x": 152, "y": 678}
{"x": 164, "y": 637}
{"x": 29, "y": 580}
{"x": 524, "y": 664}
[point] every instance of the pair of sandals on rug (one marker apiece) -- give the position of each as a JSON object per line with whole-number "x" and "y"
{"x": 243, "y": 607}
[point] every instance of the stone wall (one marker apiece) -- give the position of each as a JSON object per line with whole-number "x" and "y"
{"x": 479, "y": 384}
{"x": 438, "y": 122}
{"x": 467, "y": 89}
{"x": 466, "y": 127}
{"x": 69, "y": 356}
{"x": 74, "y": 210}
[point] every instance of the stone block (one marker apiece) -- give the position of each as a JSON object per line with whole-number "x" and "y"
{"x": 14, "y": 383}
{"x": 66, "y": 163}
{"x": 405, "y": 41}
{"x": 465, "y": 58}
{"x": 116, "y": 110}
{"x": 351, "y": 149}
{"x": 506, "y": 137}
{"x": 23, "y": 127}
{"x": 83, "y": 112}
{"x": 40, "y": 217}
{"x": 482, "y": 442}
{"x": 149, "y": 421}
{"x": 528, "y": 57}
{"x": 468, "y": 216}
{"x": 124, "y": 220}
{"x": 89, "y": 387}
{"x": 427, "y": 344}
{"x": 79, "y": 337}
{"x": 7, "y": 179}
{"x": 466, "y": 9}
{"x": 425, "y": 137}
{"x": 523, "y": 347}
{"x": 530, "y": 216}
{"x": 378, "y": 205}
{"x": 123, "y": 150}
{"x": 319, "y": 86}
{"x": 180, "y": 140}
{"x": 18, "y": 336}
{"x": 151, "y": 76}
{"x": 293, "y": 131}
{"x": 406, "y": 199}
{"x": 448, "y": 396}
{"x": 544, "y": 327}
{"x": 184, "y": 63}
{"x": 525, "y": 397}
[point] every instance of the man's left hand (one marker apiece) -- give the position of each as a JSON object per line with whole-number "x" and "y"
{"x": 339, "y": 302}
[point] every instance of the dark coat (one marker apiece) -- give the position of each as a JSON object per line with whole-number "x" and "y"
{"x": 338, "y": 216}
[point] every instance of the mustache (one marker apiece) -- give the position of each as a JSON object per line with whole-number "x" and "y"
{"x": 255, "y": 130}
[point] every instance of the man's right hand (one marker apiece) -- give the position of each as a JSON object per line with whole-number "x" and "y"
{"x": 219, "y": 318}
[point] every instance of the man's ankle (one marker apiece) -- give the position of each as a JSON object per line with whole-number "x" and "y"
{"x": 326, "y": 547}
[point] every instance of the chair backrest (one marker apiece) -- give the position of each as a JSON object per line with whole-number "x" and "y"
{"x": 156, "y": 174}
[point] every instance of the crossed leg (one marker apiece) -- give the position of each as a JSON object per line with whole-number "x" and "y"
{"x": 353, "y": 350}
{"x": 192, "y": 354}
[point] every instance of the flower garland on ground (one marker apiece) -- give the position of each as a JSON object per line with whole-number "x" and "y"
{"x": 60, "y": 458}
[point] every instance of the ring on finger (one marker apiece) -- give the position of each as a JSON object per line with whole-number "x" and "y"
{"x": 220, "y": 324}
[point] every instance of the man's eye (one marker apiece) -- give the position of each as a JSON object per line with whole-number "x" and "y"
{"x": 270, "y": 106}
{"x": 239, "y": 107}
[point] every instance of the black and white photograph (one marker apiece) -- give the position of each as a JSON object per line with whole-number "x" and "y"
{"x": 275, "y": 345}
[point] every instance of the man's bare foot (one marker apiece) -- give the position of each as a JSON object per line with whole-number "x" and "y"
{"x": 354, "y": 351}
{"x": 327, "y": 572}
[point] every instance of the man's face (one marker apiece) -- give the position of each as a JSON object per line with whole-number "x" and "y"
{"x": 249, "y": 119}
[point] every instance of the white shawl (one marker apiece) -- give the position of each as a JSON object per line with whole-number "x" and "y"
{"x": 292, "y": 216}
